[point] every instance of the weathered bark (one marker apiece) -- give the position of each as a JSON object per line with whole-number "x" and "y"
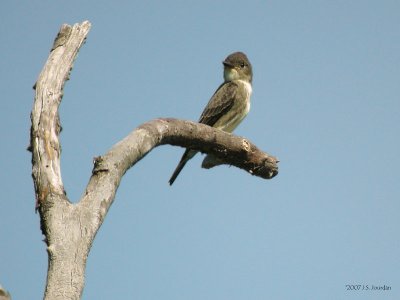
{"x": 67, "y": 227}
{"x": 70, "y": 228}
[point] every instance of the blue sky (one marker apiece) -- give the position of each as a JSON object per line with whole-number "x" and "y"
{"x": 326, "y": 101}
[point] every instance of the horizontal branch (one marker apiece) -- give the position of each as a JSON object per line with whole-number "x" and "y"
{"x": 230, "y": 149}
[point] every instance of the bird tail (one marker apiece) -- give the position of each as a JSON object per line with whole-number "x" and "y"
{"x": 185, "y": 158}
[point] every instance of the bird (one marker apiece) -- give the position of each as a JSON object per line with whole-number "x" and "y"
{"x": 229, "y": 105}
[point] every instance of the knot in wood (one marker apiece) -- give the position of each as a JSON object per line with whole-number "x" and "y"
{"x": 246, "y": 145}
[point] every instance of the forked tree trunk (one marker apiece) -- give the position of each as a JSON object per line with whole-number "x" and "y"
{"x": 70, "y": 228}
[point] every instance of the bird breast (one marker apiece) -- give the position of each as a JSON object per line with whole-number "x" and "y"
{"x": 238, "y": 112}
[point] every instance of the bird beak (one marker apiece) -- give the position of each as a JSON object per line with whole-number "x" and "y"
{"x": 226, "y": 64}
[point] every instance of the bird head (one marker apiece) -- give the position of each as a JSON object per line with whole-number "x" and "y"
{"x": 237, "y": 67}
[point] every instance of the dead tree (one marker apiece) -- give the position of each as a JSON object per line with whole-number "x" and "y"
{"x": 69, "y": 228}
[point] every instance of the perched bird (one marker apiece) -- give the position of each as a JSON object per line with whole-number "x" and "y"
{"x": 229, "y": 104}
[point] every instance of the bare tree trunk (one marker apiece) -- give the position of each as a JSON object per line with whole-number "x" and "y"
{"x": 71, "y": 228}
{"x": 68, "y": 229}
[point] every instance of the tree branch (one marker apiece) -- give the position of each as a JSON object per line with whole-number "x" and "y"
{"x": 230, "y": 149}
{"x": 70, "y": 228}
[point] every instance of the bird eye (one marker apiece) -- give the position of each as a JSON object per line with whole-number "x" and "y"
{"x": 242, "y": 65}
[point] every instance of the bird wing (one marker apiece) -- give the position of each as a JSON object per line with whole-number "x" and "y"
{"x": 220, "y": 103}
{"x": 218, "y": 106}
